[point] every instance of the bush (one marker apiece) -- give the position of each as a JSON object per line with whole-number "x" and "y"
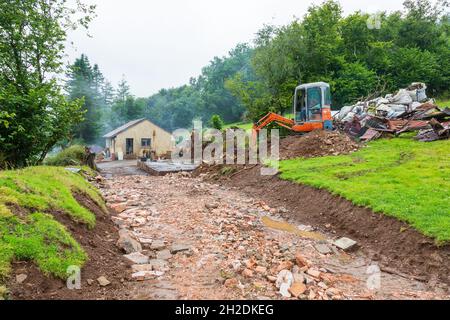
{"x": 71, "y": 156}
{"x": 216, "y": 122}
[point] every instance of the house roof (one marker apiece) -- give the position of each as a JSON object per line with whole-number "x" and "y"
{"x": 120, "y": 129}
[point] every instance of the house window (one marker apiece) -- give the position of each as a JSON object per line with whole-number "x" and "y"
{"x": 146, "y": 143}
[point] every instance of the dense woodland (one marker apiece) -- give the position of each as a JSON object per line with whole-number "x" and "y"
{"x": 358, "y": 54}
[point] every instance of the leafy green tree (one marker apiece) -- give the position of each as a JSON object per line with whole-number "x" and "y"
{"x": 420, "y": 28}
{"x": 216, "y": 122}
{"x": 253, "y": 94}
{"x": 211, "y": 83}
{"x": 85, "y": 82}
{"x": 412, "y": 65}
{"x": 279, "y": 66}
{"x": 353, "y": 83}
{"x": 32, "y": 38}
{"x": 323, "y": 38}
{"x": 205, "y": 95}
{"x": 356, "y": 36}
{"x": 126, "y": 107}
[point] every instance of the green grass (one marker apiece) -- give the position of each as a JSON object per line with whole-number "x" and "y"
{"x": 41, "y": 239}
{"x": 33, "y": 234}
{"x": 45, "y": 188}
{"x": 401, "y": 177}
{"x": 443, "y": 102}
{"x": 240, "y": 125}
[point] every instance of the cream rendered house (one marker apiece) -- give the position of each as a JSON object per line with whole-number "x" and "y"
{"x": 138, "y": 138}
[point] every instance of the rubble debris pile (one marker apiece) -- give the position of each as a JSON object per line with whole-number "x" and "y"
{"x": 317, "y": 144}
{"x": 438, "y": 131}
{"x": 408, "y": 110}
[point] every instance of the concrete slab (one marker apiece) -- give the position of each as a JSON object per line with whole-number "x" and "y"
{"x": 160, "y": 168}
{"x": 345, "y": 244}
{"x": 119, "y": 168}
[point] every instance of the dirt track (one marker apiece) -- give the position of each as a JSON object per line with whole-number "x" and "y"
{"x": 226, "y": 251}
{"x": 222, "y": 226}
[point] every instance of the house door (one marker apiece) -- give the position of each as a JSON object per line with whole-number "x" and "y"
{"x": 129, "y": 146}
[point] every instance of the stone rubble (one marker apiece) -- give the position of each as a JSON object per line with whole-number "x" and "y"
{"x": 137, "y": 258}
{"x": 20, "y": 278}
{"x": 103, "y": 281}
{"x": 127, "y": 243}
{"x": 189, "y": 239}
{"x": 345, "y": 244}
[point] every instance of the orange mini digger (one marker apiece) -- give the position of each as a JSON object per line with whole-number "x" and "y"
{"x": 312, "y": 110}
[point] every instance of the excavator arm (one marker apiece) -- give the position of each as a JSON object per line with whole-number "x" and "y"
{"x": 273, "y": 117}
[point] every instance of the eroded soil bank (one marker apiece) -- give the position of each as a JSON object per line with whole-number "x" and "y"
{"x": 105, "y": 259}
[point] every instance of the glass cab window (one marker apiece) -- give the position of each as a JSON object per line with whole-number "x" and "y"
{"x": 314, "y": 104}
{"x": 327, "y": 96}
{"x": 300, "y": 107}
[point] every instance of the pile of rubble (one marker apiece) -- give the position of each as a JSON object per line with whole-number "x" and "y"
{"x": 318, "y": 143}
{"x": 408, "y": 110}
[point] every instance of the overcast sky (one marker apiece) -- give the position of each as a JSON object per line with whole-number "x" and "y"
{"x": 162, "y": 43}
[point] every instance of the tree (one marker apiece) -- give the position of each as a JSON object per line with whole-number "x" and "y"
{"x": 323, "y": 38}
{"x": 32, "y": 38}
{"x": 353, "y": 82}
{"x": 211, "y": 83}
{"x": 252, "y": 94}
{"x": 126, "y": 107}
{"x": 413, "y": 65}
{"x": 108, "y": 93}
{"x": 118, "y": 110}
{"x": 216, "y": 122}
{"x": 85, "y": 82}
{"x": 123, "y": 90}
{"x": 420, "y": 27}
{"x": 356, "y": 36}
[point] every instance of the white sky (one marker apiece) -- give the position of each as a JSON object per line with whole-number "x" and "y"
{"x": 162, "y": 43}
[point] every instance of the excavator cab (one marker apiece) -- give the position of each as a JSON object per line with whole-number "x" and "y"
{"x": 312, "y": 107}
{"x": 312, "y": 110}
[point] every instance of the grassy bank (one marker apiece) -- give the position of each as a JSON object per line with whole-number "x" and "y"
{"x": 28, "y": 230}
{"x": 401, "y": 177}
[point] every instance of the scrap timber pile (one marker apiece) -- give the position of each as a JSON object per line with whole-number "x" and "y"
{"x": 408, "y": 110}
